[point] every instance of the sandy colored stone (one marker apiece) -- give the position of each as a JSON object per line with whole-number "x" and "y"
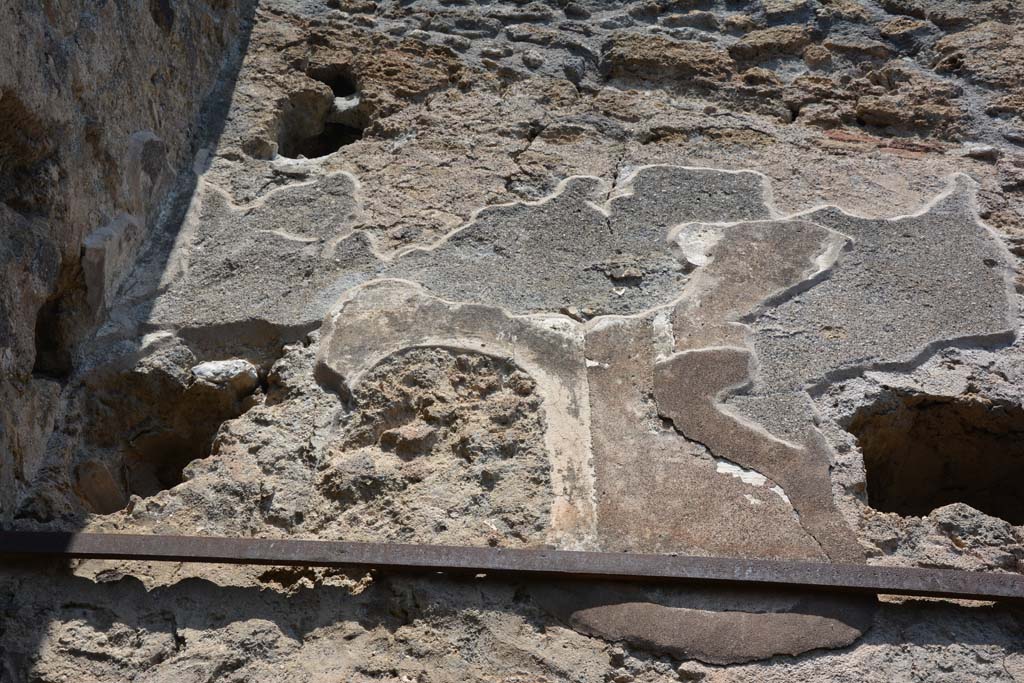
{"x": 507, "y": 274}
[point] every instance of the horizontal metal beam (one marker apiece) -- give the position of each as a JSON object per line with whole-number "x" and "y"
{"x": 519, "y": 563}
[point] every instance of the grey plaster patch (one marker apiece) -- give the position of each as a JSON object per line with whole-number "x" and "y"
{"x": 315, "y": 211}
{"x": 274, "y": 260}
{"x": 586, "y": 250}
{"x": 748, "y": 265}
{"x": 567, "y": 252}
{"x": 907, "y": 286}
{"x": 668, "y": 195}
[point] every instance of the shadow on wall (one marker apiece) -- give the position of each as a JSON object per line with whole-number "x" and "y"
{"x": 143, "y": 424}
{"x": 118, "y": 631}
{"x": 57, "y": 294}
{"x": 165, "y": 422}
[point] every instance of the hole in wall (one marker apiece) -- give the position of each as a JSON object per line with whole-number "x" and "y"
{"x": 337, "y": 77}
{"x": 922, "y": 452}
{"x": 314, "y": 124}
{"x": 333, "y": 137}
{"x": 53, "y": 355}
{"x": 144, "y": 426}
{"x": 59, "y": 322}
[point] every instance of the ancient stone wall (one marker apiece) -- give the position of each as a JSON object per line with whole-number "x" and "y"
{"x": 102, "y": 106}
{"x": 731, "y": 278}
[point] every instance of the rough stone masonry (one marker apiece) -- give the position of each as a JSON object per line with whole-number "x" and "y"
{"x": 730, "y": 278}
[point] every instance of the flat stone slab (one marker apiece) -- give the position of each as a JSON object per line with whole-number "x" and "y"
{"x": 713, "y": 626}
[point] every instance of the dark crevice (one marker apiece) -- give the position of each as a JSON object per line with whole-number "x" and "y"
{"x": 333, "y": 137}
{"x": 53, "y": 358}
{"x": 144, "y": 426}
{"x": 922, "y": 452}
{"x": 313, "y": 124}
{"x": 163, "y": 13}
{"x": 337, "y": 77}
{"x": 59, "y": 322}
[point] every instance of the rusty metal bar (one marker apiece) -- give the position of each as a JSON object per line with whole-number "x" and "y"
{"x": 519, "y": 563}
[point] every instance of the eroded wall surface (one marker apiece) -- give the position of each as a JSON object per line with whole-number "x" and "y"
{"x": 734, "y": 279}
{"x": 103, "y": 105}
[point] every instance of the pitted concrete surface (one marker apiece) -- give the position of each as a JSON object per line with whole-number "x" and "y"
{"x": 283, "y": 245}
{"x": 588, "y": 249}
